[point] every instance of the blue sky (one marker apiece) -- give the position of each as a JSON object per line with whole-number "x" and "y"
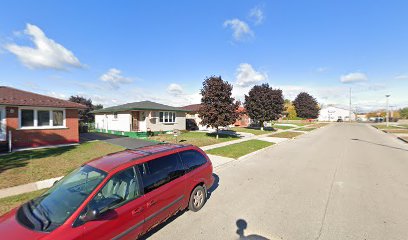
{"x": 123, "y": 51}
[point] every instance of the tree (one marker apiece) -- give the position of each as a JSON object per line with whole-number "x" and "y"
{"x": 217, "y": 108}
{"x": 289, "y": 110}
{"x": 306, "y": 106}
{"x": 404, "y": 113}
{"x": 85, "y": 115}
{"x": 264, "y": 103}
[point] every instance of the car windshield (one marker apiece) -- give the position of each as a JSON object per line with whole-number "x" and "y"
{"x": 52, "y": 208}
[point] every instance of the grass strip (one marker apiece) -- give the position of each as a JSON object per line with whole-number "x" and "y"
{"x": 286, "y": 134}
{"x": 239, "y": 149}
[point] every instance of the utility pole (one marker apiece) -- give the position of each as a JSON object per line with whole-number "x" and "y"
{"x": 350, "y": 107}
{"x": 388, "y": 112}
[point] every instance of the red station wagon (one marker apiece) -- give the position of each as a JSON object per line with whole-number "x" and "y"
{"x": 118, "y": 196}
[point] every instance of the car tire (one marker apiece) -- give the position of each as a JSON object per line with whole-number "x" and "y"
{"x": 198, "y": 198}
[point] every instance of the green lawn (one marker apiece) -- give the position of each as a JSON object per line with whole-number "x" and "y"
{"x": 396, "y": 130}
{"x": 286, "y": 134}
{"x": 390, "y": 127}
{"x": 239, "y": 149}
{"x": 300, "y": 124}
{"x": 31, "y": 166}
{"x": 385, "y": 127}
{"x": 282, "y": 127}
{"x": 195, "y": 138}
{"x": 255, "y": 131}
{"x": 8, "y": 203}
{"x": 318, "y": 125}
{"x": 306, "y": 129}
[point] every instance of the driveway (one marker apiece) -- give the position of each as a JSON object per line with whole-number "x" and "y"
{"x": 126, "y": 142}
{"x": 344, "y": 181}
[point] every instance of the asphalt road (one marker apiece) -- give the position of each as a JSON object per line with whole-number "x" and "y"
{"x": 344, "y": 181}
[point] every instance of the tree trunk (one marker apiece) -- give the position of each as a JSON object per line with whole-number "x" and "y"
{"x": 216, "y": 136}
{"x": 262, "y": 124}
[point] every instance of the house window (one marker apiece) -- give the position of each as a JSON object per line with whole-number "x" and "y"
{"x": 27, "y": 118}
{"x": 58, "y": 118}
{"x": 43, "y": 118}
{"x": 167, "y": 117}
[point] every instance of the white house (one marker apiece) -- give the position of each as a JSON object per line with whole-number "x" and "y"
{"x": 333, "y": 114}
{"x": 141, "y": 117}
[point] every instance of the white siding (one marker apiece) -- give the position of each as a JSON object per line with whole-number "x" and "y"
{"x": 124, "y": 122}
{"x": 2, "y": 123}
{"x": 108, "y": 122}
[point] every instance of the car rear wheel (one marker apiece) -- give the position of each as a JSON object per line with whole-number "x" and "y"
{"x": 197, "y": 199}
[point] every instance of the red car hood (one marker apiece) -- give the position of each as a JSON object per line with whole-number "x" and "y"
{"x": 11, "y": 229}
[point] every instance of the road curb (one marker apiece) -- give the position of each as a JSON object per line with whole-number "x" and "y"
{"x": 400, "y": 138}
{"x": 29, "y": 187}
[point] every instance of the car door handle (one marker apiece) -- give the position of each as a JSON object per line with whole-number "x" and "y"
{"x": 137, "y": 211}
{"x": 151, "y": 203}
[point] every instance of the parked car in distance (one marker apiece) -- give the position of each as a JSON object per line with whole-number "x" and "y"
{"x": 118, "y": 196}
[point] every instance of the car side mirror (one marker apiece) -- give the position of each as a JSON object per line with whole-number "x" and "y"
{"x": 90, "y": 215}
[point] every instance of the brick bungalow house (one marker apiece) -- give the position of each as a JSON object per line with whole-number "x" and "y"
{"x": 36, "y": 120}
{"x": 242, "y": 121}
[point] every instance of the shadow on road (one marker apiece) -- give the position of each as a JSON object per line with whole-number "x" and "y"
{"x": 214, "y": 186}
{"x": 174, "y": 217}
{"x": 242, "y": 225}
{"x": 379, "y": 144}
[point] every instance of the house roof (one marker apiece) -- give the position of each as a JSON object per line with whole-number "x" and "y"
{"x": 17, "y": 97}
{"x": 144, "y": 105}
{"x": 192, "y": 107}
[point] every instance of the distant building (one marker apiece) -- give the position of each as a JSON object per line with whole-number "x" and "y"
{"x": 192, "y": 114}
{"x": 243, "y": 119}
{"x": 362, "y": 117}
{"x": 333, "y": 114}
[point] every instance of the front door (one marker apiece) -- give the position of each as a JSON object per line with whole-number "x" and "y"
{"x": 2, "y": 124}
{"x": 135, "y": 121}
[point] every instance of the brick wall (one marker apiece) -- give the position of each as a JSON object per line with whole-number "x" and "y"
{"x": 42, "y": 137}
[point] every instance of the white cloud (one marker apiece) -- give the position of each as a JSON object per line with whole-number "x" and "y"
{"x": 401, "y": 77}
{"x": 257, "y": 15}
{"x": 175, "y": 89}
{"x": 322, "y": 69}
{"x": 246, "y": 75}
{"x": 46, "y": 53}
{"x": 353, "y": 77}
{"x": 114, "y": 78}
{"x": 241, "y": 29}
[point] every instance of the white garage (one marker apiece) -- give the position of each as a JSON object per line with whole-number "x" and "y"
{"x": 333, "y": 114}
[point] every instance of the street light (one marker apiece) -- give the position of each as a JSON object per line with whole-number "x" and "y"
{"x": 388, "y": 112}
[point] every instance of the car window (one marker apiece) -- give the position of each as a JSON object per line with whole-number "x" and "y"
{"x": 122, "y": 187}
{"x": 160, "y": 171}
{"x": 53, "y": 207}
{"x": 192, "y": 159}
